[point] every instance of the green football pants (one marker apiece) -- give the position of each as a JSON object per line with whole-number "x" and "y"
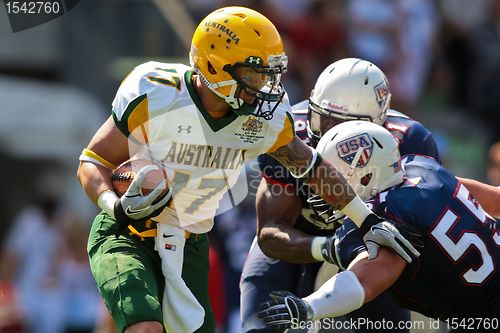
{"x": 128, "y": 274}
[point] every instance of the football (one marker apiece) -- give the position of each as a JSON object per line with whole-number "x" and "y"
{"x": 124, "y": 174}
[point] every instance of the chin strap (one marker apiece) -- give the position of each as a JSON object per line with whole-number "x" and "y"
{"x": 237, "y": 104}
{"x": 231, "y": 100}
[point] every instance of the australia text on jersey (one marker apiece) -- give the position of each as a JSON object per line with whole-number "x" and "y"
{"x": 205, "y": 156}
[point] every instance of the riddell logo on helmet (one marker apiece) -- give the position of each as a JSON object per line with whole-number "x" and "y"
{"x": 334, "y": 106}
{"x": 224, "y": 29}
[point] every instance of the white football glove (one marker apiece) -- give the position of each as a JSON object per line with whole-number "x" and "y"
{"x": 401, "y": 238}
{"x": 134, "y": 207}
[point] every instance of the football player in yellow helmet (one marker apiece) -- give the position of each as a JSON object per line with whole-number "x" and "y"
{"x": 239, "y": 55}
{"x": 149, "y": 252}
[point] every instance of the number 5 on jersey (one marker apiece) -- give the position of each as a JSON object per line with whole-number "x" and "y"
{"x": 456, "y": 249}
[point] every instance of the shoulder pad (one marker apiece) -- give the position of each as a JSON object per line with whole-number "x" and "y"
{"x": 301, "y": 106}
{"x": 300, "y": 125}
{"x": 148, "y": 91}
{"x": 394, "y": 113}
{"x": 299, "y": 112}
{"x": 159, "y": 82}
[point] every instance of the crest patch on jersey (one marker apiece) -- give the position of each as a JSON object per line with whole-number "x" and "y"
{"x": 382, "y": 92}
{"x": 251, "y": 130}
{"x": 348, "y": 148}
{"x": 252, "y": 124}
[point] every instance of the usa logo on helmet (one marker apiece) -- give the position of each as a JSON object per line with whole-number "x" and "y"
{"x": 348, "y": 148}
{"x": 382, "y": 92}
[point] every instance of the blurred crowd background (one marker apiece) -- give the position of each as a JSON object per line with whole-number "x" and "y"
{"x": 57, "y": 82}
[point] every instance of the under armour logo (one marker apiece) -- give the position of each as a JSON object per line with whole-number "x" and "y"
{"x": 254, "y": 60}
{"x": 187, "y": 129}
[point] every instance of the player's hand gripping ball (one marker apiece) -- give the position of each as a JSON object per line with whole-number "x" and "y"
{"x": 143, "y": 189}
{"x": 125, "y": 173}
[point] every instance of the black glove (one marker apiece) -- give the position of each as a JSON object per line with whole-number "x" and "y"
{"x": 342, "y": 247}
{"x": 284, "y": 311}
{"x": 134, "y": 207}
{"x": 370, "y": 221}
{"x": 328, "y": 250}
{"x": 350, "y": 238}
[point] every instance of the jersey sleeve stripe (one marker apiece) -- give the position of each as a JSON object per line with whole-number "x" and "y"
{"x": 286, "y": 135}
{"x": 135, "y": 115}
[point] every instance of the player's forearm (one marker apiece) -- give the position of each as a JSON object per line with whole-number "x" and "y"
{"x": 94, "y": 179}
{"x": 323, "y": 178}
{"x": 338, "y": 296}
{"x": 283, "y": 242}
{"x": 329, "y": 183}
{"x": 361, "y": 283}
{"x": 379, "y": 274}
{"x": 487, "y": 195}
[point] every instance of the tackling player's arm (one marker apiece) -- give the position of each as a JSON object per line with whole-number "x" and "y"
{"x": 343, "y": 293}
{"x": 487, "y": 195}
{"x": 379, "y": 274}
{"x": 361, "y": 283}
{"x": 109, "y": 146}
{"x": 277, "y": 211}
{"x": 324, "y": 179}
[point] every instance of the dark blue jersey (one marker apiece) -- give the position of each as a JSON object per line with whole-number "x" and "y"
{"x": 413, "y": 138}
{"x": 456, "y": 274}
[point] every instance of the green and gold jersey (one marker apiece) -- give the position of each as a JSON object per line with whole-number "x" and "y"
{"x": 157, "y": 107}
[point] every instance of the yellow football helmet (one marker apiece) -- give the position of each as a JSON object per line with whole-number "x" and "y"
{"x": 237, "y": 49}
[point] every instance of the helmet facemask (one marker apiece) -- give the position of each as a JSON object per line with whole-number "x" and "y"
{"x": 320, "y": 119}
{"x": 324, "y": 212}
{"x": 260, "y": 83}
